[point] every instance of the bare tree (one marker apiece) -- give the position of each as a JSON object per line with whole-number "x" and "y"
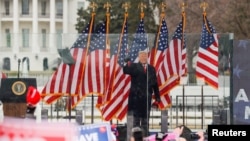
{"x": 227, "y": 16}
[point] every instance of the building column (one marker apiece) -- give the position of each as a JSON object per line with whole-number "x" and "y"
{"x": 52, "y": 45}
{"x": 1, "y": 35}
{"x": 65, "y": 22}
{"x": 35, "y": 42}
{"x": 65, "y": 16}
{"x": 16, "y": 45}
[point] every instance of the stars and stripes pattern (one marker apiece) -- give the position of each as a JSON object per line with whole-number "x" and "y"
{"x": 207, "y": 60}
{"x": 118, "y": 85}
{"x": 94, "y": 77}
{"x": 66, "y": 78}
{"x": 157, "y": 54}
{"x": 161, "y": 43}
{"x": 139, "y": 43}
{"x": 174, "y": 63}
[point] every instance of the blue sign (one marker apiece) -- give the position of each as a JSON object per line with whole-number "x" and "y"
{"x": 241, "y": 78}
{"x": 96, "y": 132}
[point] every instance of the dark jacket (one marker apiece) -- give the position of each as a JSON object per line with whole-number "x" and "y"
{"x": 143, "y": 85}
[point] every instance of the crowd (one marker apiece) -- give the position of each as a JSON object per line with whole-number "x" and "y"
{"x": 180, "y": 133}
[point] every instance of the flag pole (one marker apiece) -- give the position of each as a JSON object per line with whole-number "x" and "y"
{"x": 102, "y": 97}
{"x": 93, "y": 5}
{"x": 163, "y": 6}
{"x": 125, "y": 6}
{"x": 203, "y": 5}
{"x": 107, "y": 6}
{"x": 114, "y": 59}
{"x": 183, "y": 6}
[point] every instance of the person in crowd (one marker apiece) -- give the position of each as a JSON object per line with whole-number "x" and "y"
{"x": 137, "y": 134}
{"x": 114, "y": 130}
{"x": 180, "y": 133}
{"x": 143, "y": 86}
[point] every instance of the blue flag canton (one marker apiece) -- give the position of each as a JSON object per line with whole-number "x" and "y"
{"x": 207, "y": 37}
{"x": 179, "y": 34}
{"x": 124, "y": 45}
{"x": 163, "y": 37}
{"x": 139, "y": 43}
{"x": 99, "y": 38}
{"x": 82, "y": 39}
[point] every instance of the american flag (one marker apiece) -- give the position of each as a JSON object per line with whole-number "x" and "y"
{"x": 94, "y": 78}
{"x": 96, "y": 75}
{"x": 174, "y": 64}
{"x": 157, "y": 55}
{"x": 139, "y": 44}
{"x": 161, "y": 43}
{"x": 207, "y": 61}
{"x": 118, "y": 86}
{"x": 61, "y": 82}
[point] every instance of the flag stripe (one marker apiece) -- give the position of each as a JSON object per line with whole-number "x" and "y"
{"x": 157, "y": 52}
{"x": 165, "y": 102}
{"x": 101, "y": 97}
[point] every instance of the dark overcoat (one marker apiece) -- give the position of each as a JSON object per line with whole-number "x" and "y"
{"x": 143, "y": 85}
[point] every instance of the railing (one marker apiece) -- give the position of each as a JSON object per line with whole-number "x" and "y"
{"x": 192, "y": 115}
{"x": 193, "y": 118}
{"x": 195, "y": 110}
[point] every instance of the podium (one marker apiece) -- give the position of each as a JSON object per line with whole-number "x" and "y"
{"x": 15, "y": 110}
{"x": 13, "y": 95}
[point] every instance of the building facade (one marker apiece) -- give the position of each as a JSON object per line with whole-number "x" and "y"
{"x": 31, "y": 31}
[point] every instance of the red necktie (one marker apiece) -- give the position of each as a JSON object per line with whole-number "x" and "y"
{"x": 145, "y": 68}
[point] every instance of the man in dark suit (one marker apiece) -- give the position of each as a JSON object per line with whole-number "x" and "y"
{"x": 143, "y": 85}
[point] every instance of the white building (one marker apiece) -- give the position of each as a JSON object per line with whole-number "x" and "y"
{"x": 36, "y": 29}
{"x": 32, "y": 30}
